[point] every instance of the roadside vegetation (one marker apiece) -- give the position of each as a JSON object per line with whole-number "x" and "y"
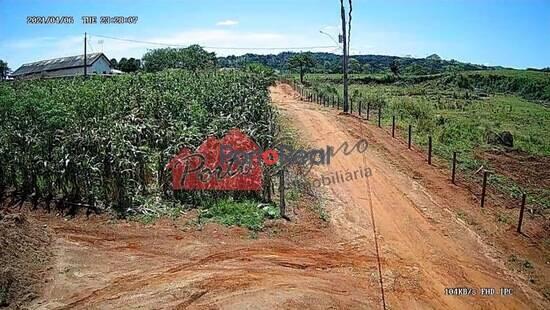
{"x": 467, "y": 112}
{"x": 103, "y": 143}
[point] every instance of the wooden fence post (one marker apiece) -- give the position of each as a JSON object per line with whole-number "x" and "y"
{"x": 453, "y": 175}
{"x": 282, "y": 205}
{"x": 379, "y": 116}
{"x": 523, "y": 198}
{"x": 393, "y": 126}
{"x": 484, "y": 188}
{"x": 429, "y": 150}
{"x": 410, "y": 135}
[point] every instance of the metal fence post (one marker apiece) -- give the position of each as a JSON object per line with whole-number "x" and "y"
{"x": 360, "y": 107}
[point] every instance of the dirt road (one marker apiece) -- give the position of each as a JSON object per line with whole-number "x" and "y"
{"x": 419, "y": 246}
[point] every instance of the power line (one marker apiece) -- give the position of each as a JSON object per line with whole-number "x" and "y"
{"x": 90, "y": 43}
{"x": 216, "y": 47}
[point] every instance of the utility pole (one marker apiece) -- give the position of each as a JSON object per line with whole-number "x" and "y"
{"x": 345, "y": 55}
{"x": 85, "y": 67}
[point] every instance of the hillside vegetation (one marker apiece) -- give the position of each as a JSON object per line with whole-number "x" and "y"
{"x": 332, "y": 63}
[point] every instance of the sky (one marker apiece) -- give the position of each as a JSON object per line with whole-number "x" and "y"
{"x": 511, "y": 33}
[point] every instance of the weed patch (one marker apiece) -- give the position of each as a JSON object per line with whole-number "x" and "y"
{"x": 246, "y": 213}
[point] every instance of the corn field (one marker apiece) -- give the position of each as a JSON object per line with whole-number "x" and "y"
{"x": 102, "y": 142}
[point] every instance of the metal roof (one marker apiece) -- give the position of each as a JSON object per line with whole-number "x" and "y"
{"x": 57, "y": 64}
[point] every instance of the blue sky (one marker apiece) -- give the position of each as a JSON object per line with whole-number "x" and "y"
{"x": 513, "y": 33}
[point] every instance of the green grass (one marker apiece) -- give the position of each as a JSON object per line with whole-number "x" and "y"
{"x": 246, "y": 213}
{"x": 4, "y": 296}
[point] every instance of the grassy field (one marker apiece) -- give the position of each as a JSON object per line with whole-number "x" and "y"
{"x": 460, "y": 111}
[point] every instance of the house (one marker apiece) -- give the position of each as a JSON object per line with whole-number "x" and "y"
{"x": 97, "y": 63}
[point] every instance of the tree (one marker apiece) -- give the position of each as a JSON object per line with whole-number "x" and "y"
{"x": 4, "y": 70}
{"x": 354, "y": 66}
{"x": 192, "y": 58}
{"x": 261, "y": 69}
{"x": 114, "y": 63}
{"x": 366, "y": 68}
{"x": 127, "y": 65}
{"x": 131, "y": 65}
{"x": 302, "y": 62}
{"x": 122, "y": 64}
{"x": 394, "y": 67}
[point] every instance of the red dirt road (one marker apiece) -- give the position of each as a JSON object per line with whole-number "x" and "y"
{"x": 422, "y": 247}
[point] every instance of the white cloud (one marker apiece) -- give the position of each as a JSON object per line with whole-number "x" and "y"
{"x": 227, "y": 22}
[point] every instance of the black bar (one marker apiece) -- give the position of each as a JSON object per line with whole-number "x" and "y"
{"x": 338, "y": 107}
{"x": 350, "y": 106}
{"x": 483, "y": 189}
{"x": 379, "y": 116}
{"x": 523, "y": 198}
{"x": 454, "y": 168}
{"x": 410, "y": 135}
{"x": 429, "y": 150}
{"x": 393, "y": 126}
{"x": 360, "y": 107}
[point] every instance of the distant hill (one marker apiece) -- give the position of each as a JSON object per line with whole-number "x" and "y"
{"x": 331, "y": 63}
{"x": 434, "y": 57}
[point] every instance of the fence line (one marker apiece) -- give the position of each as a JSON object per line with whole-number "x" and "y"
{"x": 311, "y": 96}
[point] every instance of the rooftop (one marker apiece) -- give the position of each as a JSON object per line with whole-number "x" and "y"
{"x": 56, "y": 64}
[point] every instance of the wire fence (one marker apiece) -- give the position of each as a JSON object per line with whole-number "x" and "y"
{"x": 334, "y": 101}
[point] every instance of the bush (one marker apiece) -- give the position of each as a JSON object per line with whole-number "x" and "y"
{"x": 245, "y": 213}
